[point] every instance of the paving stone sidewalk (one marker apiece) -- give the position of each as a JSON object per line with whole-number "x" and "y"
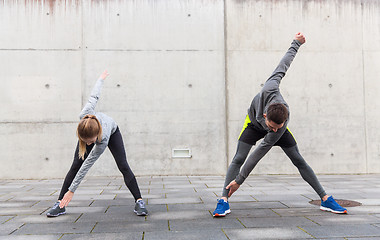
{"x": 265, "y": 207}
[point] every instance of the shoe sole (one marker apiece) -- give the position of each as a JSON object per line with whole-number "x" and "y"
{"x": 330, "y": 210}
{"x": 140, "y": 214}
{"x": 62, "y": 213}
{"x": 222, "y": 214}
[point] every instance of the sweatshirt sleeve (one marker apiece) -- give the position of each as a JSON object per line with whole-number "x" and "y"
{"x": 87, "y": 164}
{"x": 273, "y": 82}
{"x": 269, "y": 140}
{"x": 89, "y": 108}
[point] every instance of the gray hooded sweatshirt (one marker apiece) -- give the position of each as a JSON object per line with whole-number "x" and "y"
{"x": 269, "y": 94}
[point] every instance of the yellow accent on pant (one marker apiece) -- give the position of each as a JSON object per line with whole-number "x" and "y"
{"x": 247, "y": 120}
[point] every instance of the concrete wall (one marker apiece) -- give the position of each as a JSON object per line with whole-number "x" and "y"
{"x": 182, "y": 73}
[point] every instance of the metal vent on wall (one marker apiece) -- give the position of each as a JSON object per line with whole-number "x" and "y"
{"x": 181, "y": 153}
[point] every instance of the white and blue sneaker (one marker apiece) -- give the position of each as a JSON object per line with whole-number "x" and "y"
{"x": 222, "y": 209}
{"x": 331, "y": 205}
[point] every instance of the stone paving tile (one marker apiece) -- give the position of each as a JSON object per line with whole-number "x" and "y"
{"x": 364, "y": 209}
{"x": 281, "y": 197}
{"x": 169, "y": 190}
{"x": 311, "y": 211}
{"x": 217, "y": 189}
{"x": 199, "y": 224}
{"x": 182, "y": 187}
{"x": 8, "y": 227}
{"x": 370, "y": 190}
{"x": 107, "y": 217}
{"x": 191, "y": 194}
{"x": 363, "y": 238}
{"x": 75, "y": 210}
{"x": 344, "y": 219}
{"x": 175, "y": 200}
{"x": 208, "y": 195}
{"x": 5, "y": 218}
{"x": 369, "y": 195}
{"x": 69, "y": 218}
{"x": 349, "y": 196}
{"x": 214, "y": 185}
{"x": 256, "y": 205}
{"x": 16, "y": 204}
{"x": 53, "y": 228}
{"x": 114, "y": 202}
{"x": 31, "y": 237}
{"x": 6, "y": 197}
{"x": 338, "y": 238}
{"x": 176, "y": 182}
{"x": 257, "y": 213}
{"x": 267, "y": 233}
{"x": 73, "y": 203}
{"x": 126, "y": 209}
{"x": 276, "y": 222}
{"x": 187, "y": 235}
{"x": 190, "y": 206}
{"x": 104, "y": 236}
{"x": 33, "y": 198}
{"x": 176, "y": 215}
{"x": 17, "y": 211}
{"x": 368, "y": 202}
{"x": 123, "y": 197}
{"x": 118, "y": 227}
{"x": 125, "y": 194}
{"x": 242, "y": 198}
{"x": 296, "y": 203}
{"x": 358, "y": 230}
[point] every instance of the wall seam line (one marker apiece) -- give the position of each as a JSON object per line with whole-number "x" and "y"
{"x": 364, "y": 92}
{"x": 83, "y": 81}
{"x": 226, "y": 80}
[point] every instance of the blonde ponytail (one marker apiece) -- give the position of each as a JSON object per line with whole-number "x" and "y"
{"x": 88, "y": 127}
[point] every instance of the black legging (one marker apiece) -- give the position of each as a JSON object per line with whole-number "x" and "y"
{"x": 116, "y": 147}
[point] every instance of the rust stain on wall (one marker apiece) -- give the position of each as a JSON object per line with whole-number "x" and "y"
{"x": 52, "y": 4}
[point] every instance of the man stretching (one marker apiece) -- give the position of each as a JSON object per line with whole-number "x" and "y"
{"x": 267, "y": 118}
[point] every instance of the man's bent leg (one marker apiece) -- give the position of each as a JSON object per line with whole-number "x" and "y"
{"x": 248, "y": 137}
{"x": 223, "y": 208}
{"x": 234, "y": 168}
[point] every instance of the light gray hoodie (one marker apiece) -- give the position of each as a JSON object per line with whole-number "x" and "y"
{"x": 109, "y": 126}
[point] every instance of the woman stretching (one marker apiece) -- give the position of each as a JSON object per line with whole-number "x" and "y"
{"x": 95, "y": 132}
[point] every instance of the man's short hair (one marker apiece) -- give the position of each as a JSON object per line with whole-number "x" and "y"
{"x": 278, "y": 113}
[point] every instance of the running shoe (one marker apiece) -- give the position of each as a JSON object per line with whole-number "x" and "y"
{"x": 222, "y": 209}
{"x": 55, "y": 211}
{"x": 140, "y": 208}
{"x": 331, "y": 205}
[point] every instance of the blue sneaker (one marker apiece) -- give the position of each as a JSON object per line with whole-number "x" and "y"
{"x": 332, "y": 206}
{"x": 222, "y": 209}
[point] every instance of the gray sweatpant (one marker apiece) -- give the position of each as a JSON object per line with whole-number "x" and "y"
{"x": 292, "y": 152}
